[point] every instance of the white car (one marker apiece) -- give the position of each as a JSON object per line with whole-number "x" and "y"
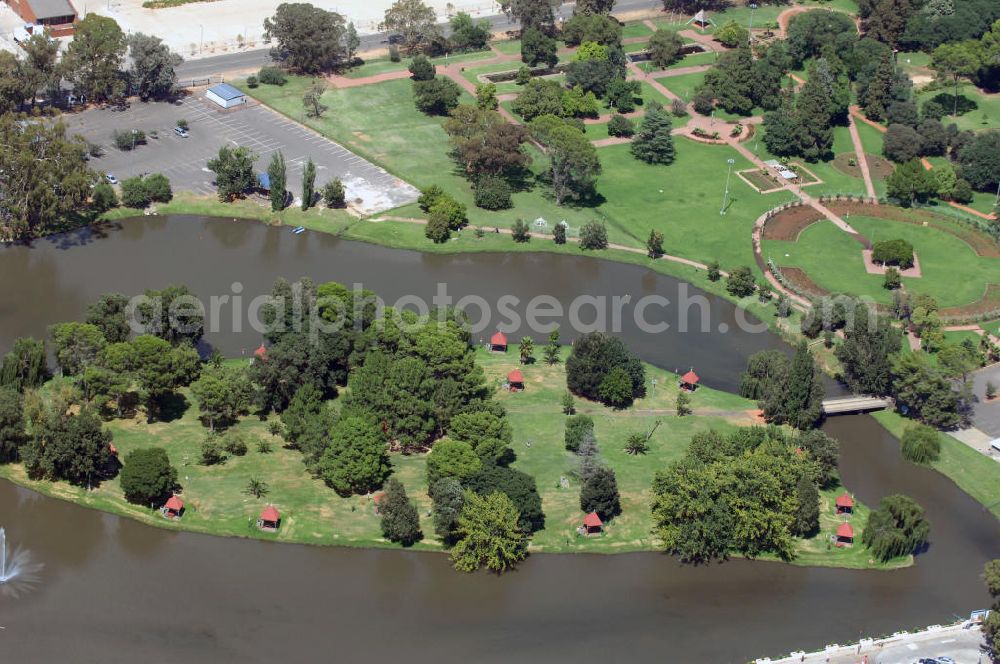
{"x": 111, "y": 178}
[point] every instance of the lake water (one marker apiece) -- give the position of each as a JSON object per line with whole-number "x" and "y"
{"x": 114, "y": 590}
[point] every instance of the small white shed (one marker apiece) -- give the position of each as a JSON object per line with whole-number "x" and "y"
{"x": 226, "y": 95}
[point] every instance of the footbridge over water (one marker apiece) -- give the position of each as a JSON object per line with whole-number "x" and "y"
{"x": 854, "y": 404}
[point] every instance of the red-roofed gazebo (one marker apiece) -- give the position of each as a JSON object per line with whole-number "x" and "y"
{"x": 261, "y": 352}
{"x": 515, "y": 381}
{"x": 269, "y": 519}
{"x": 689, "y": 381}
{"x": 845, "y": 504}
{"x": 592, "y": 524}
{"x": 377, "y": 501}
{"x": 498, "y": 342}
{"x": 173, "y": 508}
{"x": 845, "y": 535}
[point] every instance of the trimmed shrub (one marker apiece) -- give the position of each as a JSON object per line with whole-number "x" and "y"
{"x": 271, "y": 76}
{"x": 620, "y": 126}
{"x": 893, "y": 252}
{"x": 920, "y": 444}
{"x": 493, "y": 193}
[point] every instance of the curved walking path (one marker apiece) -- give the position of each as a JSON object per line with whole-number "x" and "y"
{"x": 545, "y": 236}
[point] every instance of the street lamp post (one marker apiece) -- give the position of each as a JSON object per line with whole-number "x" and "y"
{"x": 725, "y": 196}
{"x": 201, "y": 40}
{"x": 753, "y": 6}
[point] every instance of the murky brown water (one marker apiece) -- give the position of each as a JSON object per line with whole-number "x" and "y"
{"x": 117, "y": 591}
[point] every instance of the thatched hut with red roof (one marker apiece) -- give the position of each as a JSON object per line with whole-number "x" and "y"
{"x": 845, "y": 504}
{"x": 845, "y": 535}
{"x": 689, "y": 381}
{"x": 173, "y": 508}
{"x": 269, "y": 519}
{"x": 592, "y": 524}
{"x": 498, "y": 342}
{"x": 515, "y": 381}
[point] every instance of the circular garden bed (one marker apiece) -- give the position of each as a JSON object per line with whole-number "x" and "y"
{"x": 959, "y": 263}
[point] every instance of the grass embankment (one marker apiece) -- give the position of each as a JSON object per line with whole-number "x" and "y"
{"x": 380, "y": 123}
{"x": 313, "y": 514}
{"x": 976, "y": 474}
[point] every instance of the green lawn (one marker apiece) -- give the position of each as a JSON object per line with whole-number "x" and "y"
{"x": 975, "y": 473}
{"x": 638, "y": 29}
{"x": 986, "y": 116}
{"x": 684, "y": 85}
{"x": 380, "y": 123}
{"x": 834, "y": 181}
{"x": 951, "y": 271}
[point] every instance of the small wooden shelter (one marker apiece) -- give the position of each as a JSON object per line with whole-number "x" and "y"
{"x": 845, "y": 535}
{"x": 269, "y": 519}
{"x": 845, "y": 504}
{"x": 592, "y": 524}
{"x": 689, "y": 381}
{"x": 515, "y": 381}
{"x": 173, "y": 508}
{"x": 498, "y": 342}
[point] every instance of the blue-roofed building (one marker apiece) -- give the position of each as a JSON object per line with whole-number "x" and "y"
{"x": 226, "y": 95}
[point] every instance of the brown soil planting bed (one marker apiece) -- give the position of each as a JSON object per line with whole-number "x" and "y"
{"x": 787, "y": 224}
{"x": 800, "y": 282}
{"x": 981, "y": 243}
{"x": 879, "y": 167}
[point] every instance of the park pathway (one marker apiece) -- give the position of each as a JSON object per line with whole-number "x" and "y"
{"x": 859, "y": 150}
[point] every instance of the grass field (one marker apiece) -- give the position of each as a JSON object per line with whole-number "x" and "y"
{"x": 975, "y": 473}
{"x": 952, "y": 273}
{"x": 986, "y": 116}
{"x": 215, "y": 501}
{"x": 383, "y": 65}
{"x": 380, "y": 123}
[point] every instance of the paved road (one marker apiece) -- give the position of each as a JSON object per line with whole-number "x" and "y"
{"x": 961, "y": 645}
{"x": 235, "y": 63}
{"x": 370, "y": 188}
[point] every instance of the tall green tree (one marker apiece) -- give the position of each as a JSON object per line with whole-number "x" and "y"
{"x": 654, "y": 142}
{"x": 109, "y": 315}
{"x": 147, "y": 478}
{"x": 538, "y": 14}
{"x": 867, "y": 352}
{"x": 452, "y": 458}
{"x": 897, "y": 528}
{"x": 400, "y": 521}
{"x": 152, "y": 73}
{"x": 94, "y": 58}
{"x": 76, "y": 346}
{"x": 807, "y": 516}
{"x": 308, "y": 184}
{"x": 574, "y": 164}
{"x": 75, "y": 448}
{"x": 278, "y": 176}
{"x": 798, "y": 401}
{"x": 955, "y": 61}
{"x": 233, "y": 168}
{"x": 488, "y": 534}
{"x": 357, "y": 460}
{"x": 538, "y": 48}
{"x": 447, "y": 499}
{"x": 308, "y": 39}
{"x": 223, "y": 393}
{"x": 414, "y": 21}
{"x": 352, "y": 42}
{"x": 599, "y": 493}
{"x": 161, "y": 369}
{"x": 24, "y": 365}
{"x": 41, "y": 64}
{"x": 12, "y": 431}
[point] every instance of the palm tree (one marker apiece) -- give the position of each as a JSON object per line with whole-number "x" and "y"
{"x": 257, "y": 488}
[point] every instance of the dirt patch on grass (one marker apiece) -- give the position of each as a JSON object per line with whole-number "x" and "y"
{"x": 800, "y": 282}
{"x": 847, "y": 163}
{"x": 788, "y": 224}
{"x": 980, "y": 242}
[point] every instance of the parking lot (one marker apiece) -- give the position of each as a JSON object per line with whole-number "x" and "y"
{"x": 370, "y": 189}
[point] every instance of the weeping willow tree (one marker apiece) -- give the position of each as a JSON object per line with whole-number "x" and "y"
{"x": 24, "y": 366}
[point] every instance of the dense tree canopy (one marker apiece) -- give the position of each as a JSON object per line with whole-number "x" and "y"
{"x": 147, "y": 478}
{"x": 94, "y": 58}
{"x": 897, "y": 528}
{"x": 357, "y": 460}
{"x": 151, "y": 75}
{"x": 12, "y": 433}
{"x": 488, "y": 534}
{"x": 75, "y": 448}
{"x": 594, "y": 357}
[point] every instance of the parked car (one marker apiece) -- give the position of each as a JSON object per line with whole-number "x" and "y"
{"x": 110, "y": 177}
{"x": 182, "y": 132}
